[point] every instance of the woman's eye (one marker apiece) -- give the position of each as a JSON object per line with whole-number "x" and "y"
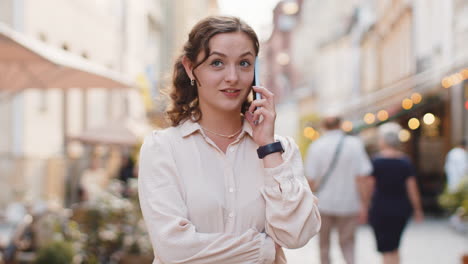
{"x": 245, "y": 63}
{"x": 216, "y": 63}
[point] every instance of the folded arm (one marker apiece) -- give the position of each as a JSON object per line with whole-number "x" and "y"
{"x": 291, "y": 208}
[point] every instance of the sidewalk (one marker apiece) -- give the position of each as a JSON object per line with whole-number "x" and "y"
{"x": 431, "y": 242}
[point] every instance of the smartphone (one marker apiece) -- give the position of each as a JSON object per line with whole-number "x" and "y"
{"x": 256, "y": 82}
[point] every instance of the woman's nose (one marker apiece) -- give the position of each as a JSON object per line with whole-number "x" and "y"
{"x": 232, "y": 75}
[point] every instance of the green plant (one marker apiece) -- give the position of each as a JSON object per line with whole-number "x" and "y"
{"x": 458, "y": 200}
{"x": 59, "y": 252}
{"x": 113, "y": 226}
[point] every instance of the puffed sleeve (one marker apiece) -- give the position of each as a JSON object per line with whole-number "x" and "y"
{"x": 292, "y": 214}
{"x": 174, "y": 238}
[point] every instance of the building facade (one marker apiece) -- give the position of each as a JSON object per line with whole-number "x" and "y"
{"x": 390, "y": 60}
{"x": 122, "y": 38}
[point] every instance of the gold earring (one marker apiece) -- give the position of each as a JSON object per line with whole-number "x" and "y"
{"x": 192, "y": 82}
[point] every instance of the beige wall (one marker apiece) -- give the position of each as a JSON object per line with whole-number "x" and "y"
{"x": 75, "y": 111}
{"x": 6, "y": 11}
{"x": 43, "y": 131}
{"x": 87, "y": 26}
{"x": 369, "y": 66}
{"x": 395, "y": 51}
{"x": 5, "y": 126}
{"x": 322, "y": 59}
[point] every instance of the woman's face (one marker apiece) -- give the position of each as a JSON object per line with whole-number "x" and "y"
{"x": 225, "y": 78}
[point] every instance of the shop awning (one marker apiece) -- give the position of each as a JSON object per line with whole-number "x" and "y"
{"x": 127, "y": 132}
{"x": 29, "y": 63}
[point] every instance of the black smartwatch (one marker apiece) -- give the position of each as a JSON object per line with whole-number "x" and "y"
{"x": 262, "y": 151}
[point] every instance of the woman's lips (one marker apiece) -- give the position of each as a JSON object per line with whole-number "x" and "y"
{"x": 231, "y": 92}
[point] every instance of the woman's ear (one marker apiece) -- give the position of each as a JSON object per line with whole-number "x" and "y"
{"x": 188, "y": 66}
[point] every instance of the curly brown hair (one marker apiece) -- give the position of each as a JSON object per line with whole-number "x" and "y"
{"x": 184, "y": 96}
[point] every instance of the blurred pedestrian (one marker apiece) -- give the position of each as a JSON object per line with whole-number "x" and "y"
{"x": 335, "y": 166}
{"x": 395, "y": 196}
{"x": 456, "y": 166}
{"x": 219, "y": 186}
{"x": 126, "y": 172}
{"x": 93, "y": 180}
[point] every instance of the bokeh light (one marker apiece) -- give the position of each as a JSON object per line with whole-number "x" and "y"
{"x": 429, "y": 119}
{"x": 309, "y": 132}
{"x": 414, "y": 123}
{"x": 347, "y": 126}
{"x": 382, "y": 115}
{"x": 404, "y": 135}
{"x": 416, "y": 98}
{"x": 447, "y": 82}
{"x": 369, "y": 118}
{"x": 407, "y": 104}
{"x": 464, "y": 73}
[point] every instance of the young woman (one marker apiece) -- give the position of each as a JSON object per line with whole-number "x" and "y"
{"x": 219, "y": 186}
{"x": 395, "y": 195}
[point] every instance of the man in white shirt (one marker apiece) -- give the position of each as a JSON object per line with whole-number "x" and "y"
{"x": 335, "y": 167}
{"x": 456, "y": 166}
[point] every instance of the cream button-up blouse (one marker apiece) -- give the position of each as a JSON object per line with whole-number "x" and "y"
{"x": 202, "y": 205}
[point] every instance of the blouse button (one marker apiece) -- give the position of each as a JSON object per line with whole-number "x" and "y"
{"x": 231, "y": 190}
{"x": 231, "y": 214}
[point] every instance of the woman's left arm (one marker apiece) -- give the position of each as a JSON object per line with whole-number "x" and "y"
{"x": 292, "y": 215}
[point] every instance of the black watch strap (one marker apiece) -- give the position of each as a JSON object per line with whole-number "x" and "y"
{"x": 270, "y": 148}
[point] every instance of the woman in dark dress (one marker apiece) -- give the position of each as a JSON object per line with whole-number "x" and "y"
{"x": 395, "y": 196}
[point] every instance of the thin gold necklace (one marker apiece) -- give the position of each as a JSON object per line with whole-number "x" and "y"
{"x": 222, "y": 135}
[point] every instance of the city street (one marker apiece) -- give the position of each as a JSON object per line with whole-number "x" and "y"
{"x": 431, "y": 242}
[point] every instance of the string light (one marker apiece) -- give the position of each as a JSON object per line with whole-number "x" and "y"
{"x": 407, "y": 104}
{"x": 429, "y": 119}
{"x": 309, "y": 132}
{"x": 382, "y": 115}
{"x": 347, "y": 126}
{"x": 369, "y": 118}
{"x": 404, "y": 135}
{"x": 416, "y": 98}
{"x": 413, "y": 123}
{"x": 447, "y": 82}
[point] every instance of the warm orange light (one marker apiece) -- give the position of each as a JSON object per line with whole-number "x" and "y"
{"x": 414, "y": 123}
{"x": 416, "y": 98}
{"x": 347, "y": 126}
{"x": 316, "y": 135}
{"x": 466, "y": 105}
{"x": 309, "y": 132}
{"x": 404, "y": 135}
{"x": 407, "y": 103}
{"x": 464, "y": 73}
{"x": 382, "y": 115}
{"x": 457, "y": 78}
{"x": 369, "y": 118}
{"x": 447, "y": 82}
